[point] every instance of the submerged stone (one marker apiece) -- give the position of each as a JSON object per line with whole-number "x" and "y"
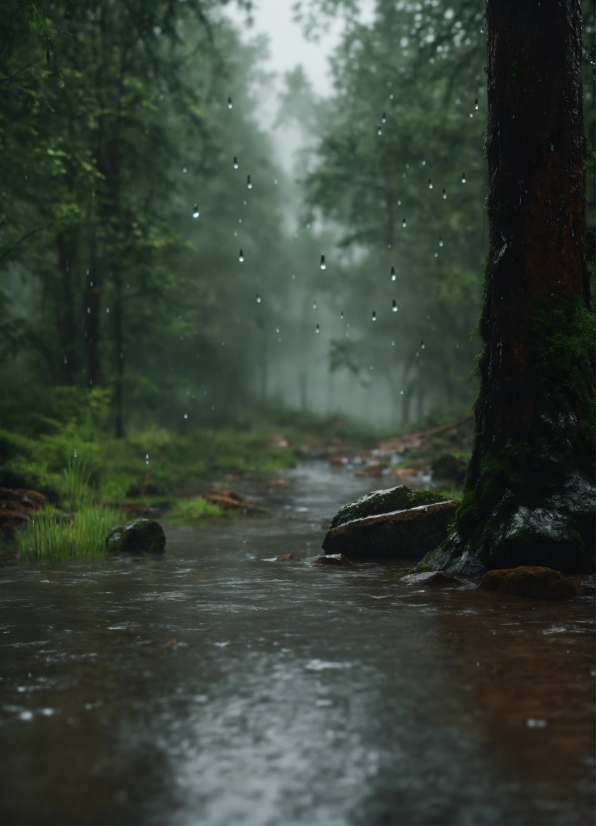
{"x": 287, "y": 558}
{"x": 402, "y": 534}
{"x": 385, "y": 501}
{"x": 531, "y": 581}
{"x": 332, "y": 559}
{"x": 434, "y": 579}
{"x": 142, "y": 536}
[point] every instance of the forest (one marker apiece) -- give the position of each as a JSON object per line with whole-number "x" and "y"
{"x": 232, "y": 303}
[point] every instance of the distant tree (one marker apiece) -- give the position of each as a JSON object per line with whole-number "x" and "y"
{"x": 529, "y": 495}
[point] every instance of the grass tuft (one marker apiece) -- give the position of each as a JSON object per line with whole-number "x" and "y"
{"x": 52, "y": 536}
{"x": 195, "y": 510}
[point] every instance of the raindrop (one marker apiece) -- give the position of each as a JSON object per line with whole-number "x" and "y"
{"x": 88, "y": 310}
{"x": 323, "y": 264}
{"x": 248, "y": 182}
{"x": 341, "y": 315}
{"x": 186, "y": 415}
{"x": 195, "y": 211}
{"x": 277, "y": 330}
{"x": 393, "y": 344}
{"x": 444, "y": 195}
{"x": 75, "y": 454}
{"x": 65, "y": 360}
{"x": 393, "y": 275}
{"x": 235, "y": 164}
{"x": 379, "y": 130}
{"x": 314, "y": 305}
{"x": 423, "y": 163}
{"x": 383, "y": 118}
{"x": 258, "y": 299}
{"x": 241, "y": 256}
{"x": 374, "y": 316}
{"x": 394, "y": 306}
{"x": 184, "y": 170}
{"x": 317, "y": 329}
{"x": 229, "y": 103}
{"x": 440, "y": 240}
{"x": 463, "y": 177}
{"x": 430, "y": 184}
{"x": 476, "y": 104}
{"x": 422, "y": 345}
{"x": 552, "y": 147}
{"x": 146, "y": 458}
{"x": 403, "y": 223}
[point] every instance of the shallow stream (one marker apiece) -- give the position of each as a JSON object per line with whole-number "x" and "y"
{"x": 215, "y": 686}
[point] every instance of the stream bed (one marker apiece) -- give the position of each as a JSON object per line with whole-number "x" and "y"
{"x": 215, "y": 686}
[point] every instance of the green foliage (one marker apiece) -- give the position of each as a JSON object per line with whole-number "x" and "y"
{"x": 195, "y": 510}
{"x": 52, "y": 536}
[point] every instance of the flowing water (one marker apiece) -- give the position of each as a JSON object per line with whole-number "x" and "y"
{"x": 216, "y": 686}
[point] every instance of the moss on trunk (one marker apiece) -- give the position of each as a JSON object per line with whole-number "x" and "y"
{"x": 529, "y": 494}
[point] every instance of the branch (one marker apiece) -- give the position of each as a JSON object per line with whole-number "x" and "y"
{"x": 24, "y": 238}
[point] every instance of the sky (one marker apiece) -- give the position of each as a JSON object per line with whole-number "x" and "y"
{"x": 287, "y": 44}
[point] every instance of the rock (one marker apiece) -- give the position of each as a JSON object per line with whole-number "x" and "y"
{"x": 141, "y": 536}
{"x": 332, "y": 559}
{"x": 287, "y": 558}
{"x": 402, "y": 534}
{"x": 531, "y": 581}
{"x": 450, "y": 467}
{"x": 435, "y": 579}
{"x": 385, "y": 501}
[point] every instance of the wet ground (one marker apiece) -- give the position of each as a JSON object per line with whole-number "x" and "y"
{"x": 214, "y": 686}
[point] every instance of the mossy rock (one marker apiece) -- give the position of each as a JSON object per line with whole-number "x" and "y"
{"x": 404, "y": 534}
{"x": 144, "y": 536}
{"x": 530, "y": 581}
{"x": 385, "y": 501}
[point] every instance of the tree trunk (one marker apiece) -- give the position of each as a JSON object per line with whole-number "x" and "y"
{"x": 66, "y": 308}
{"x": 529, "y": 494}
{"x": 118, "y": 353}
{"x": 92, "y": 308}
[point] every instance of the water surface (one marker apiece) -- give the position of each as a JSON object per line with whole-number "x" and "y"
{"x": 215, "y": 686}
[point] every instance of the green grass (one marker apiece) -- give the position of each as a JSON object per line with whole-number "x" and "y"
{"x": 195, "y": 510}
{"x": 53, "y": 536}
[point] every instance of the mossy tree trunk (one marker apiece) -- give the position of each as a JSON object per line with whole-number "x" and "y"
{"x": 529, "y": 495}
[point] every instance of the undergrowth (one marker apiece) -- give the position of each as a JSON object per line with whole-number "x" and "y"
{"x": 54, "y": 536}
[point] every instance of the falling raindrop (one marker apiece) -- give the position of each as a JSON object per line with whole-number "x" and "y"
{"x": 65, "y": 360}
{"x": 476, "y": 104}
{"x": 241, "y": 256}
{"x": 374, "y": 316}
{"x": 229, "y": 103}
{"x": 379, "y": 130}
{"x": 88, "y": 310}
{"x": 75, "y": 454}
{"x": 393, "y": 344}
{"x": 341, "y": 315}
{"x": 146, "y": 458}
{"x": 394, "y": 306}
{"x": 195, "y": 211}
{"x": 314, "y": 305}
{"x": 430, "y": 184}
{"x": 383, "y": 118}
{"x": 184, "y": 170}
{"x": 440, "y": 240}
{"x": 422, "y": 345}
{"x": 323, "y": 264}
{"x": 444, "y": 195}
{"x": 248, "y": 182}
{"x": 235, "y": 163}
{"x": 277, "y": 330}
{"x": 423, "y": 163}
{"x": 463, "y": 177}
{"x": 186, "y": 415}
{"x": 258, "y": 299}
{"x": 393, "y": 275}
{"x": 317, "y": 329}
{"x": 403, "y": 223}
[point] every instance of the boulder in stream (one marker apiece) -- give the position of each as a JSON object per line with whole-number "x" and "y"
{"x": 433, "y": 579}
{"x": 385, "y": 501}
{"x": 530, "y": 581}
{"x": 401, "y": 534}
{"x": 332, "y": 559}
{"x": 144, "y": 536}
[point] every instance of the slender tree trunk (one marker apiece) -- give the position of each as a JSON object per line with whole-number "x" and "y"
{"x": 92, "y": 309}
{"x": 118, "y": 353}
{"x": 529, "y": 494}
{"x": 66, "y": 308}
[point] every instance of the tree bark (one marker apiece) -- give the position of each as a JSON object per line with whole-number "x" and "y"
{"x": 529, "y": 495}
